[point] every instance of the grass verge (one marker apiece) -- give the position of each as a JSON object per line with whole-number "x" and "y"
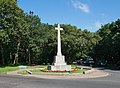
{"x": 6, "y": 69}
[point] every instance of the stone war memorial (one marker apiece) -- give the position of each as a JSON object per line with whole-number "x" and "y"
{"x": 59, "y": 63}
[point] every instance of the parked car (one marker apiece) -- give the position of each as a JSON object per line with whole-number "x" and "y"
{"x": 79, "y": 62}
{"x": 87, "y": 61}
{"x": 90, "y": 61}
{"x": 102, "y": 62}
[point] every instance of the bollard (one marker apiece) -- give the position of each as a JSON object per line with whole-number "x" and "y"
{"x": 83, "y": 72}
{"x": 28, "y": 71}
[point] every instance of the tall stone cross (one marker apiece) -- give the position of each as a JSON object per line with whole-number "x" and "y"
{"x": 59, "y": 41}
{"x": 59, "y": 63}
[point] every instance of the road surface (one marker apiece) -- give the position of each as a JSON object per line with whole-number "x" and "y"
{"x": 111, "y": 81}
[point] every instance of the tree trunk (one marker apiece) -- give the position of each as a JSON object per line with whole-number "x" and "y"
{"x": 2, "y": 60}
{"x": 28, "y": 56}
{"x": 17, "y": 53}
{"x": 10, "y": 57}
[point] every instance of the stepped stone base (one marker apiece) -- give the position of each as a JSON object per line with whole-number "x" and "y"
{"x": 59, "y": 64}
{"x": 59, "y": 67}
{"x": 59, "y": 60}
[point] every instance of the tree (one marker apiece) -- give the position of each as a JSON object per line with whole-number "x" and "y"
{"x": 108, "y": 47}
{"x": 12, "y": 23}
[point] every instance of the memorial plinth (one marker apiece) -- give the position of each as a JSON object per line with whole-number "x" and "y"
{"x": 59, "y": 60}
{"x": 59, "y": 64}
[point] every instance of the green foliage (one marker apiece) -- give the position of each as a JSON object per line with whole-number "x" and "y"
{"x": 108, "y": 47}
{"x": 11, "y": 27}
{"x": 24, "y": 39}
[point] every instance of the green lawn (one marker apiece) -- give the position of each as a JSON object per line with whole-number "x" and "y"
{"x": 38, "y": 71}
{"x": 6, "y": 69}
{"x": 79, "y": 71}
{"x": 42, "y": 66}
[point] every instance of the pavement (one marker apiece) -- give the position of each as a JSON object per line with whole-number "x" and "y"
{"x": 93, "y": 73}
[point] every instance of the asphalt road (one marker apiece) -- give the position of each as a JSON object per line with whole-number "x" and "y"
{"x": 112, "y": 81}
